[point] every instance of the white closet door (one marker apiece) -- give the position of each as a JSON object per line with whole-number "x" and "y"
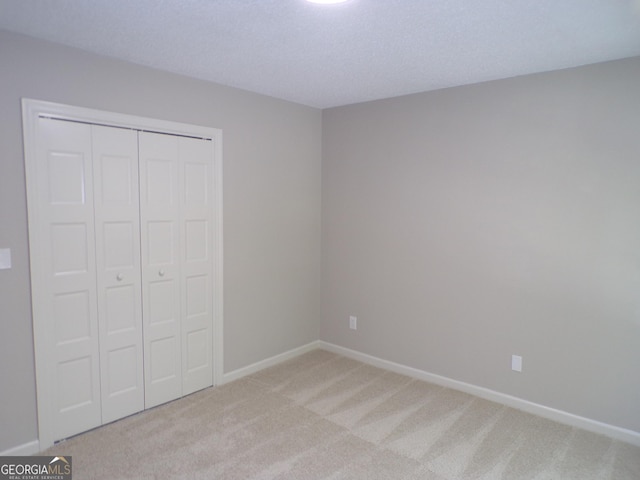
{"x": 160, "y": 231}
{"x": 196, "y": 232}
{"x": 65, "y": 297}
{"x": 125, "y": 234}
{"x": 115, "y": 163}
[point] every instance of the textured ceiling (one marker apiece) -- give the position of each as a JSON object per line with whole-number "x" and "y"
{"x": 329, "y": 55}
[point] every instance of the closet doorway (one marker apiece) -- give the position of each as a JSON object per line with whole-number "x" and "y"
{"x": 125, "y": 238}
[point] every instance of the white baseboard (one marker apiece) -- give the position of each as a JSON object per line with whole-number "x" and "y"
{"x": 28, "y": 448}
{"x": 269, "y": 362}
{"x": 559, "y": 416}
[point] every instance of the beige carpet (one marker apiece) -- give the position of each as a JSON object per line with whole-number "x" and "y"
{"x": 324, "y": 416}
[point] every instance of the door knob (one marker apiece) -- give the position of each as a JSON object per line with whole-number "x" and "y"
{"x": 119, "y": 277}
{"x": 161, "y": 273}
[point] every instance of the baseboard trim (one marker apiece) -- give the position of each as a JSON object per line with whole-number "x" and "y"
{"x": 269, "y": 362}
{"x": 618, "y": 433}
{"x": 566, "y": 418}
{"x": 25, "y": 449}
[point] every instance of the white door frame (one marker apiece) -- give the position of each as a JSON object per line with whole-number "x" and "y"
{"x": 32, "y": 110}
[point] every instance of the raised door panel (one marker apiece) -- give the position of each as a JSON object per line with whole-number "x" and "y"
{"x": 160, "y": 232}
{"x": 196, "y": 229}
{"x": 65, "y": 296}
{"x": 117, "y": 224}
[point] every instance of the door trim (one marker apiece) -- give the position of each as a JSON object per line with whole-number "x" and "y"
{"x": 32, "y": 110}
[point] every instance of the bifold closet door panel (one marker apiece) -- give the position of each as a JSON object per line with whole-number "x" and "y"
{"x": 122, "y": 242}
{"x": 161, "y": 276}
{"x": 64, "y": 294}
{"x": 119, "y": 280}
{"x": 196, "y": 235}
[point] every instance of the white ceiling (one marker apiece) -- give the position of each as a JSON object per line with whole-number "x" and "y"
{"x": 329, "y": 55}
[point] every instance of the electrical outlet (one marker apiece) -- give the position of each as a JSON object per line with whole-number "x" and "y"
{"x": 353, "y": 322}
{"x": 516, "y": 363}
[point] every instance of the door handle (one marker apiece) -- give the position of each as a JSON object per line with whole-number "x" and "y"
{"x": 161, "y": 273}
{"x": 119, "y": 277}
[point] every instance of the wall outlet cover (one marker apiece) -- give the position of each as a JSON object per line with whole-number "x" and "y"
{"x": 516, "y": 363}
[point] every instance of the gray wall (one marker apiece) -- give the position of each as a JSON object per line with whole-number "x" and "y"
{"x": 465, "y": 225}
{"x": 461, "y": 226}
{"x": 272, "y": 177}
